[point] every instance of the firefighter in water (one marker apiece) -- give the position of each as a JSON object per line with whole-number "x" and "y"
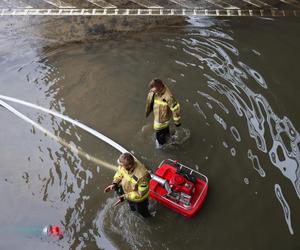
{"x": 164, "y": 106}
{"x": 131, "y": 182}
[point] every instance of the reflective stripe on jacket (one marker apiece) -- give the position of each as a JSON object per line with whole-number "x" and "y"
{"x": 135, "y": 184}
{"x": 164, "y": 106}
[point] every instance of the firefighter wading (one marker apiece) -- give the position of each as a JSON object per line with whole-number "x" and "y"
{"x": 164, "y": 106}
{"x": 135, "y": 183}
{"x": 131, "y": 182}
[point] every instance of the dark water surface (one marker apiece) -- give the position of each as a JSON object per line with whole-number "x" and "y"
{"x": 238, "y": 84}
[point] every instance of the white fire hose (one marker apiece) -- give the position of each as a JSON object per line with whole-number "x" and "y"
{"x": 97, "y": 134}
{"x": 56, "y": 138}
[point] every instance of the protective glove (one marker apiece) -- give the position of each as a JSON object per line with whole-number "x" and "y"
{"x": 110, "y": 188}
{"x": 119, "y": 200}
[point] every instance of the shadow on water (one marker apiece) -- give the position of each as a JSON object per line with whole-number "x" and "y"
{"x": 235, "y": 129}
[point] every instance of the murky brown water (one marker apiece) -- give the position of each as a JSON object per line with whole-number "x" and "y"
{"x": 237, "y": 81}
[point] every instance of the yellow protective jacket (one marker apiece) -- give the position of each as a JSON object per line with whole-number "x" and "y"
{"x": 164, "y": 106}
{"x": 135, "y": 184}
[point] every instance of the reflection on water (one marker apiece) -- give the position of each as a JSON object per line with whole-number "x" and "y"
{"x": 197, "y": 107}
{"x": 229, "y": 118}
{"x": 285, "y": 207}
{"x": 221, "y": 121}
{"x": 253, "y": 106}
{"x": 235, "y": 134}
{"x": 221, "y": 105}
{"x": 256, "y": 164}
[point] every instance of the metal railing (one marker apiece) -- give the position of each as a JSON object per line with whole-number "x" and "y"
{"x": 151, "y": 4}
{"x": 149, "y": 12}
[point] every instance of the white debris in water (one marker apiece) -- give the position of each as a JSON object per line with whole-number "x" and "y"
{"x": 285, "y": 207}
{"x": 197, "y": 167}
{"x": 98, "y": 169}
{"x": 206, "y": 157}
{"x": 182, "y": 74}
{"x": 246, "y": 180}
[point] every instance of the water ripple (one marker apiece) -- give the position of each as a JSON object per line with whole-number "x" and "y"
{"x": 285, "y": 207}
{"x": 256, "y": 164}
{"x": 199, "y": 110}
{"x": 221, "y": 105}
{"x": 235, "y": 133}
{"x": 220, "y": 120}
{"x": 228, "y": 79}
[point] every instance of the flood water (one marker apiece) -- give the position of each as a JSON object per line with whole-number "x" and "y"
{"x": 238, "y": 84}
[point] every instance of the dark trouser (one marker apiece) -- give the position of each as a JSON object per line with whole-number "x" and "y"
{"x": 140, "y": 207}
{"x": 162, "y": 135}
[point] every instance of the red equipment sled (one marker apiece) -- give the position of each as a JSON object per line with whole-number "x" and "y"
{"x": 178, "y": 187}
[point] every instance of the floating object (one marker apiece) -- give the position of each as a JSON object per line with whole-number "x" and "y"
{"x": 52, "y": 230}
{"x": 178, "y": 187}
